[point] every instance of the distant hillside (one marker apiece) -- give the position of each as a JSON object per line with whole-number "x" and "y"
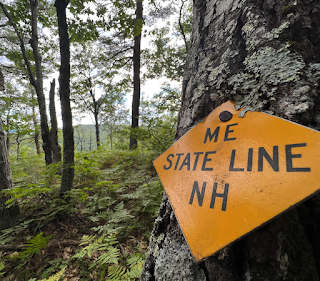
{"x": 85, "y": 138}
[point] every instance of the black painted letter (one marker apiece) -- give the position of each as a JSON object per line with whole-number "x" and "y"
{"x": 228, "y": 131}
{"x": 186, "y": 162}
{"x": 208, "y": 135}
{"x": 231, "y": 166}
{"x": 273, "y": 162}
{"x": 223, "y": 195}
{"x": 179, "y": 155}
{"x": 200, "y": 195}
{"x": 250, "y": 154}
{"x": 289, "y": 157}
{"x": 205, "y": 160}
{"x": 196, "y": 160}
{"x": 170, "y": 162}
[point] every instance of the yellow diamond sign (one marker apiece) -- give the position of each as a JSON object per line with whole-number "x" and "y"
{"x": 229, "y": 175}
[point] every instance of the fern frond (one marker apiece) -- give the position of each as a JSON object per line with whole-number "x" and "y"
{"x": 135, "y": 259}
{"x": 2, "y": 267}
{"x": 107, "y": 229}
{"x": 86, "y": 239}
{"x": 57, "y": 276}
{"x": 116, "y": 272}
{"x": 135, "y": 264}
{"x": 34, "y": 245}
{"x": 111, "y": 257}
{"x": 119, "y": 214}
{"x": 96, "y": 244}
{"x": 135, "y": 272}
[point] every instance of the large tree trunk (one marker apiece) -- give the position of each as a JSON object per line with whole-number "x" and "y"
{"x": 136, "y": 76}
{"x": 8, "y": 216}
{"x": 264, "y": 55}
{"x": 56, "y": 148}
{"x": 64, "y": 88}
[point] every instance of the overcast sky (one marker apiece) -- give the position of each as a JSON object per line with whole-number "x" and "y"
{"x": 150, "y": 87}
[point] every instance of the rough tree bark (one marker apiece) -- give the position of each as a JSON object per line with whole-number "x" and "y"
{"x": 35, "y": 124}
{"x": 264, "y": 55}
{"x": 8, "y": 131}
{"x": 97, "y": 128}
{"x": 38, "y": 84}
{"x": 56, "y": 148}
{"x": 8, "y": 216}
{"x": 64, "y": 89}
{"x": 18, "y": 145}
{"x": 136, "y": 76}
{"x": 95, "y": 112}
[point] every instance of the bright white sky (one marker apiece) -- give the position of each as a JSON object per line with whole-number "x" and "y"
{"x": 149, "y": 88}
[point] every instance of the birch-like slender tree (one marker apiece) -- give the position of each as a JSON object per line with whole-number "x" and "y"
{"x": 36, "y": 79}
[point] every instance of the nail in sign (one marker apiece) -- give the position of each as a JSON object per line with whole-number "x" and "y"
{"x": 227, "y": 178}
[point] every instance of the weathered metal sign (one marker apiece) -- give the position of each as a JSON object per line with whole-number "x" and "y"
{"x": 226, "y": 178}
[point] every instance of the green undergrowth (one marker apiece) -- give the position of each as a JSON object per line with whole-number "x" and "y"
{"x": 100, "y": 233}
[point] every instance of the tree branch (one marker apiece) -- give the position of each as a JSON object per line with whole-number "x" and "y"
{"x": 120, "y": 52}
{"x": 22, "y": 46}
{"x": 54, "y": 243}
{"x": 181, "y": 28}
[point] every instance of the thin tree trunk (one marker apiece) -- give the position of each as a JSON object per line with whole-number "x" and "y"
{"x": 18, "y": 145}
{"x": 96, "y": 114}
{"x": 64, "y": 88}
{"x": 8, "y": 131}
{"x": 264, "y": 55}
{"x": 2, "y": 88}
{"x": 39, "y": 83}
{"x": 8, "y": 216}
{"x": 181, "y": 28}
{"x": 35, "y": 124}
{"x": 97, "y": 127}
{"x": 56, "y": 148}
{"x": 136, "y": 77}
{"x": 111, "y": 139}
{"x": 36, "y": 83}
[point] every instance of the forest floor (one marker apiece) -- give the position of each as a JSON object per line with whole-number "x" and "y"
{"x": 100, "y": 232}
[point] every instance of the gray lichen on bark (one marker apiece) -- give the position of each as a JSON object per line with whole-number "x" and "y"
{"x": 254, "y": 54}
{"x": 265, "y": 56}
